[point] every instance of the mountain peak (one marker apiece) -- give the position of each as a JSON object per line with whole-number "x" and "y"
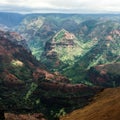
{"x": 63, "y": 35}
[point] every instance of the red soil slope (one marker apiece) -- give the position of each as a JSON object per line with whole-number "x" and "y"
{"x": 106, "y": 106}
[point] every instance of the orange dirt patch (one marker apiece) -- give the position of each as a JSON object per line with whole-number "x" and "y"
{"x": 106, "y": 106}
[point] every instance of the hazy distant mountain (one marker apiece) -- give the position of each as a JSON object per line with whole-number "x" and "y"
{"x": 10, "y": 19}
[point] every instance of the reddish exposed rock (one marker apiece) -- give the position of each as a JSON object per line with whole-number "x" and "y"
{"x": 65, "y": 95}
{"x": 109, "y": 37}
{"x": 69, "y": 35}
{"x": 63, "y": 87}
{"x": 9, "y": 52}
{"x": 10, "y": 79}
{"x": 41, "y": 73}
{"x": 105, "y": 75}
{"x": 115, "y": 32}
{"x": 16, "y": 36}
{"x": 35, "y": 116}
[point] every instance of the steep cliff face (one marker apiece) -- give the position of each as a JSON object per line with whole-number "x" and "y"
{"x": 17, "y": 74}
{"x": 107, "y": 75}
{"x": 14, "y": 37}
{"x": 61, "y": 50}
{"x": 12, "y": 58}
{"x": 60, "y": 98}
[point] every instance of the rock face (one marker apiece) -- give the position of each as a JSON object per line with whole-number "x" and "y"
{"x": 66, "y": 95}
{"x": 57, "y": 96}
{"x": 105, "y": 106}
{"x": 106, "y": 75}
{"x": 13, "y": 61}
{"x": 14, "y": 37}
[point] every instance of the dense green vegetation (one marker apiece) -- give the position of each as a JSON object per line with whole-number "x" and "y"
{"x": 96, "y": 41}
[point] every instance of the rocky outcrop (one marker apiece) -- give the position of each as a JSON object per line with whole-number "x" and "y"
{"x": 14, "y": 37}
{"x": 12, "y": 80}
{"x": 58, "y": 95}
